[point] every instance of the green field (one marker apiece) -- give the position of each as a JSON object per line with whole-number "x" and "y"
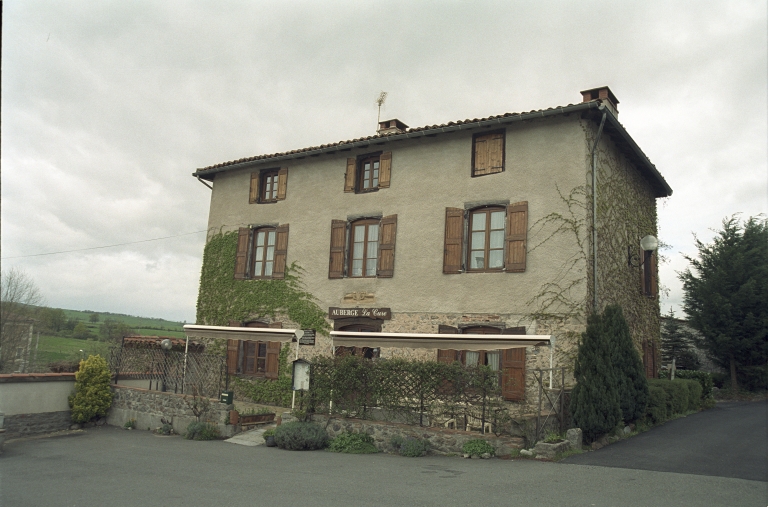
{"x": 56, "y": 348}
{"x": 135, "y": 322}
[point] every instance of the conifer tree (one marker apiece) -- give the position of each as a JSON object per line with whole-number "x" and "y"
{"x": 676, "y": 342}
{"x": 595, "y": 404}
{"x": 631, "y": 383}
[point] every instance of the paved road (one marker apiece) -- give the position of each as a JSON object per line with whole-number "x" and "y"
{"x": 730, "y": 440}
{"x": 111, "y": 466}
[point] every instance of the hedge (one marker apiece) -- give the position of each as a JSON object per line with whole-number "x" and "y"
{"x": 672, "y": 397}
{"x": 704, "y": 378}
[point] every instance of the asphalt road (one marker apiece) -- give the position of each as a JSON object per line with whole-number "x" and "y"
{"x": 730, "y": 440}
{"x": 113, "y": 467}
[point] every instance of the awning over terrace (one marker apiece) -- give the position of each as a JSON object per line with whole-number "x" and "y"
{"x": 438, "y": 341}
{"x": 241, "y": 333}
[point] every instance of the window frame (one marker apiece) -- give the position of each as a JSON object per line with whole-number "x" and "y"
{"x": 360, "y": 179}
{"x": 485, "y": 210}
{"x": 252, "y": 248}
{"x": 489, "y": 135}
{"x": 364, "y": 222}
{"x": 266, "y": 175}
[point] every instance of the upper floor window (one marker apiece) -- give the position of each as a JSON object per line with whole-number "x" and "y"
{"x": 363, "y": 248}
{"x": 261, "y": 252}
{"x": 368, "y": 173}
{"x": 488, "y": 153}
{"x": 491, "y": 238}
{"x": 268, "y": 185}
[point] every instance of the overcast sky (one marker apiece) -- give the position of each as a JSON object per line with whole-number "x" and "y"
{"x": 109, "y": 106}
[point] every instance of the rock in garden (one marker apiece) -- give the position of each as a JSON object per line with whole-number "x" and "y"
{"x": 575, "y": 437}
{"x": 526, "y": 452}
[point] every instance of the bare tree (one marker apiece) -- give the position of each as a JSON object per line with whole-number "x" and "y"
{"x": 20, "y": 301}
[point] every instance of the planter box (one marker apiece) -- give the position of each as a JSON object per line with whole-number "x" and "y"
{"x": 248, "y": 420}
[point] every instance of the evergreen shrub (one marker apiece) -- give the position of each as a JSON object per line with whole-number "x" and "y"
{"x": 301, "y": 436}
{"x": 353, "y": 443}
{"x": 677, "y": 394}
{"x": 657, "y": 404}
{"x": 198, "y": 430}
{"x": 702, "y": 377}
{"x": 631, "y": 383}
{"x": 413, "y": 447}
{"x": 694, "y": 394}
{"x": 93, "y": 393}
{"x": 595, "y": 406}
{"x": 478, "y": 447}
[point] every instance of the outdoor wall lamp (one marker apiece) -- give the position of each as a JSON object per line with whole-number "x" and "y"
{"x": 166, "y": 345}
{"x": 647, "y": 244}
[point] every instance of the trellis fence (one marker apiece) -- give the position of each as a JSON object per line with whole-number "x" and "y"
{"x": 200, "y": 372}
{"x": 411, "y": 392}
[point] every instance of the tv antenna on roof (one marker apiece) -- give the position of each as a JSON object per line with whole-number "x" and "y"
{"x": 380, "y": 102}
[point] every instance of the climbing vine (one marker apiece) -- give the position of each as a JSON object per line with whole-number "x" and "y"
{"x": 222, "y": 298}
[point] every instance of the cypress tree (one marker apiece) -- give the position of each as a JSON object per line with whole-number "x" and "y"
{"x": 595, "y": 400}
{"x": 630, "y": 376}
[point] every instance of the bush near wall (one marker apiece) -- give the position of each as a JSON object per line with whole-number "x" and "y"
{"x": 670, "y": 397}
{"x": 705, "y": 379}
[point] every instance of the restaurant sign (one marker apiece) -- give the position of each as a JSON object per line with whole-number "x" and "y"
{"x": 350, "y": 313}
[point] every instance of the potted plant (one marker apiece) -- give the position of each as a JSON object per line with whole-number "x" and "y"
{"x": 269, "y": 437}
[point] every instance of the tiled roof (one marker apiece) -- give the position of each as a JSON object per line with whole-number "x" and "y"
{"x": 613, "y": 128}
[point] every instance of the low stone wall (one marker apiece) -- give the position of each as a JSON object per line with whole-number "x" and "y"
{"x": 442, "y": 441}
{"x": 35, "y": 403}
{"x": 149, "y": 407}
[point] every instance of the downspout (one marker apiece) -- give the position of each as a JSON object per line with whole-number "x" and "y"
{"x": 594, "y": 207}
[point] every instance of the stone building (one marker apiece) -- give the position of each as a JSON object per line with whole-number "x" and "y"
{"x": 481, "y": 226}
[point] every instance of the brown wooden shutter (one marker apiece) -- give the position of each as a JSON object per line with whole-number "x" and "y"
{"x": 273, "y": 359}
{"x": 349, "y": 178}
{"x": 275, "y": 325}
{"x": 282, "y": 183}
{"x": 253, "y": 196}
{"x": 385, "y": 169}
{"x": 513, "y": 369}
{"x": 241, "y": 257}
{"x": 480, "y": 156}
{"x": 517, "y": 231}
{"x": 232, "y": 350}
{"x": 387, "y": 235}
{"x": 496, "y": 153}
{"x": 654, "y": 276}
{"x": 447, "y": 356}
{"x": 281, "y": 251}
{"x": 338, "y": 245}
{"x": 454, "y": 240}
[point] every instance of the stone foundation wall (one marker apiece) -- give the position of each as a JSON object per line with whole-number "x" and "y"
{"x": 35, "y": 403}
{"x": 149, "y": 407}
{"x": 442, "y": 441}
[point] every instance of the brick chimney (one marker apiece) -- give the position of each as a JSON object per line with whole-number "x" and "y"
{"x": 603, "y": 94}
{"x": 391, "y": 127}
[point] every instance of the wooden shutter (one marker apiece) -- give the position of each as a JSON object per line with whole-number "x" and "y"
{"x": 385, "y": 169}
{"x": 387, "y": 235}
{"x": 232, "y": 352}
{"x": 253, "y": 196}
{"x": 517, "y": 231}
{"x": 273, "y": 359}
{"x": 281, "y": 251}
{"x": 338, "y": 245}
{"x": 488, "y": 154}
{"x": 282, "y": 183}
{"x": 454, "y": 240}
{"x": 275, "y": 325}
{"x": 513, "y": 369}
{"x": 446, "y": 356}
{"x": 654, "y": 289}
{"x": 349, "y": 178}
{"x": 241, "y": 257}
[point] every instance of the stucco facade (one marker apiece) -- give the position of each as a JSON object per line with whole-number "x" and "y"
{"x": 547, "y": 163}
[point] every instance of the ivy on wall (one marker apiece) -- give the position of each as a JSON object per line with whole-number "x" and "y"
{"x": 222, "y": 298}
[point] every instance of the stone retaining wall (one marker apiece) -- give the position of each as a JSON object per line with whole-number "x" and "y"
{"x": 148, "y": 407}
{"x": 35, "y": 403}
{"x": 442, "y": 441}
{"x": 24, "y": 425}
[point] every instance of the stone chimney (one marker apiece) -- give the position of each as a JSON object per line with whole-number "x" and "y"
{"x": 603, "y": 94}
{"x": 391, "y": 127}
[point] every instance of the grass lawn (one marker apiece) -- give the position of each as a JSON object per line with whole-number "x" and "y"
{"x": 56, "y": 348}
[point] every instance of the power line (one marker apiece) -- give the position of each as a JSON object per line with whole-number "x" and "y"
{"x": 106, "y": 246}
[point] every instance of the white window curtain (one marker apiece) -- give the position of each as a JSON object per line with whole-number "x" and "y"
{"x": 493, "y": 360}
{"x": 472, "y": 358}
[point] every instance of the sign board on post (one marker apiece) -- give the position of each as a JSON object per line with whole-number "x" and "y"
{"x": 300, "y": 375}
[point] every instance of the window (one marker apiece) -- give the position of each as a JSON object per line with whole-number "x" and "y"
{"x": 261, "y": 252}
{"x": 490, "y": 238}
{"x": 268, "y": 185}
{"x": 486, "y": 239}
{"x": 253, "y": 358}
{"x": 510, "y": 363}
{"x": 368, "y": 172}
{"x": 488, "y": 153}
{"x": 363, "y": 248}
